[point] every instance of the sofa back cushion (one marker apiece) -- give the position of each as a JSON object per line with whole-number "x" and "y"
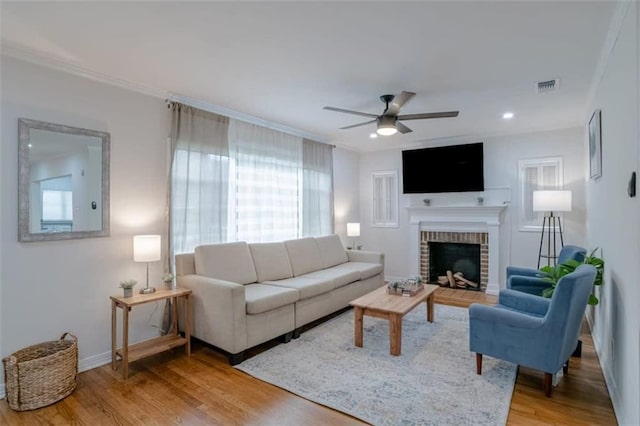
{"x": 271, "y": 261}
{"x": 304, "y": 255}
{"x": 229, "y": 262}
{"x": 332, "y": 252}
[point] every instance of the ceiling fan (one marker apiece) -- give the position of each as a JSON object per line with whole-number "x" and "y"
{"x": 388, "y": 123}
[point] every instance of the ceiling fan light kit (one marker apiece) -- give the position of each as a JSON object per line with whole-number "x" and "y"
{"x": 388, "y": 123}
{"x": 386, "y": 126}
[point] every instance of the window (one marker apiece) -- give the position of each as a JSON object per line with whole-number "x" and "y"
{"x": 385, "y": 199}
{"x": 533, "y": 175}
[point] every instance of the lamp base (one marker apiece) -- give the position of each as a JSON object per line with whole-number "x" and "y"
{"x": 147, "y": 290}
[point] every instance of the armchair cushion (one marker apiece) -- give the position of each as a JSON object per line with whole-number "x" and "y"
{"x": 523, "y": 302}
{"x": 531, "y": 285}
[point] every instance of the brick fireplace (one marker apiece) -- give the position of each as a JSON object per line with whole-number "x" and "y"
{"x": 459, "y": 251}
{"x": 479, "y": 225}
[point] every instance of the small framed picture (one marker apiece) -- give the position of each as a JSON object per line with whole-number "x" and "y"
{"x": 595, "y": 145}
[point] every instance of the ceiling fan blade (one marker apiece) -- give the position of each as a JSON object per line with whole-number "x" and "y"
{"x": 348, "y": 111}
{"x": 357, "y": 125}
{"x": 398, "y": 102}
{"x": 446, "y": 114}
{"x": 402, "y": 128}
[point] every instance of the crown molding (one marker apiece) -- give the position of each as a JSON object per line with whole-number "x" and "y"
{"x": 207, "y": 106}
{"x": 615, "y": 26}
{"x": 48, "y": 60}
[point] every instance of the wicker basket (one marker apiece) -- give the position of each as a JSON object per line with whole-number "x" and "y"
{"x": 41, "y": 374}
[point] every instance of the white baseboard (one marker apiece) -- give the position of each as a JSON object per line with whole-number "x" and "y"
{"x": 85, "y": 364}
{"x": 606, "y": 371}
{"x": 94, "y": 361}
{"x": 493, "y": 289}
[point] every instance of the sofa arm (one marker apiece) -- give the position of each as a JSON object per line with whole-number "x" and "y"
{"x": 365, "y": 256}
{"x": 524, "y": 302}
{"x": 219, "y": 311}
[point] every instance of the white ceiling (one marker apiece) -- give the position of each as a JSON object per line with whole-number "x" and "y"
{"x": 284, "y": 61}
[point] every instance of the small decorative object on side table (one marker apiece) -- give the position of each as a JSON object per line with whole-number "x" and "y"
{"x": 407, "y": 287}
{"x": 127, "y": 287}
{"x": 158, "y": 344}
{"x": 168, "y": 279}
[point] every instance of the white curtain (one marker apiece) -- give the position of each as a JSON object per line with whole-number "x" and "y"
{"x": 266, "y": 178}
{"x": 317, "y": 188}
{"x": 199, "y": 178}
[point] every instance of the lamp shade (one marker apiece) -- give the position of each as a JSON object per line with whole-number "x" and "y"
{"x": 353, "y": 229}
{"x": 146, "y": 248}
{"x": 552, "y": 201}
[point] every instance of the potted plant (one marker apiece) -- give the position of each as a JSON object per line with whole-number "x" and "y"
{"x": 552, "y": 274}
{"x": 168, "y": 279}
{"x": 127, "y": 286}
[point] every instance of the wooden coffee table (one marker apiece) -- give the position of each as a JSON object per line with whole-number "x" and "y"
{"x": 393, "y": 308}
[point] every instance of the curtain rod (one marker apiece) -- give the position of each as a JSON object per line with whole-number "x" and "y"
{"x": 209, "y": 107}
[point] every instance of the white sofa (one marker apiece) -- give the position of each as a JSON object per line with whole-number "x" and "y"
{"x": 246, "y": 294}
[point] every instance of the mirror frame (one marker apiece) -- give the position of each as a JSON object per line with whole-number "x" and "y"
{"x": 24, "y": 169}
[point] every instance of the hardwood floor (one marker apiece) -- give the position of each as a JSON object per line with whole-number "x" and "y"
{"x": 171, "y": 388}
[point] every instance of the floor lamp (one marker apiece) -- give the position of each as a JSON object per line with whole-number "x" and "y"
{"x": 551, "y": 202}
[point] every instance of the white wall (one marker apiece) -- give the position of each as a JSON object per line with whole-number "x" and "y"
{"x": 613, "y": 222}
{"x": 52, "y": 287}
{"x": 501, "y": 155}
{"x": 346, "y": 186}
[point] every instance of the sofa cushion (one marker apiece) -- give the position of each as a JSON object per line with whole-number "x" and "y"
{"x": 304, "y": 255}
{"x": 331, "y": 250}
{"x": 341, "y": 275}
{"x": 262, "y": 298}
{"x": 229, "y": 262}
{"x": 307, "y": 286}
{"x": 271, "y": 261}
{"x": 367, "y": 270}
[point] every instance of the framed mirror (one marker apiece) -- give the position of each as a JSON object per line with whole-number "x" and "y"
{"x": 63, "y": 190}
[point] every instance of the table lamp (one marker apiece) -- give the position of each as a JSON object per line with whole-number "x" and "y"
{"x": 147, "y": 248}
{"x": 353, "y": 230}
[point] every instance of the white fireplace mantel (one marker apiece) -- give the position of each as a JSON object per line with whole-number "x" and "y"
{"x": 477, "y": 218}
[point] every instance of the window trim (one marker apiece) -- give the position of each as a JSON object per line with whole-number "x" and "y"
{"x": 523, "y": 226}
{"x": 394, "y": 199}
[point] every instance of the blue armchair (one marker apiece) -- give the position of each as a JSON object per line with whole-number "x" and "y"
{"x": 528, "y": 280}
{"x": 530, "y": 330}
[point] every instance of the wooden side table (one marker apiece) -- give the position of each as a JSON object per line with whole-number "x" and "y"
{"x": 158, "y": 344}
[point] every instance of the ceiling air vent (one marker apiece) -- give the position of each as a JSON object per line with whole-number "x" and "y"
{"x": 548, "y": 85}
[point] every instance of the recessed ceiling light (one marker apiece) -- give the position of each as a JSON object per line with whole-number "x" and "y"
{"x": 29, "y": 145}
{"x": 373, "y": 135}
{"x": 507, "y": 115}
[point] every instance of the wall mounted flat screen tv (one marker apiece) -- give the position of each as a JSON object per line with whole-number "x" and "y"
{"x": 454, "y": 168}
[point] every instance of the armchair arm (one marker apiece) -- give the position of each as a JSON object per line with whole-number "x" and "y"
{"x": 525, "y": 272}
{"x": 365, "y": 256}
{"x": 524, "y": 302}
{"x": 219, "y": 311}
{"x": 503, "y": 317}
{"x": 531, "y": 285}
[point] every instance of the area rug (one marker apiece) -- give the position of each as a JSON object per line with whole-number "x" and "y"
{"x": 433, "y": 381}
